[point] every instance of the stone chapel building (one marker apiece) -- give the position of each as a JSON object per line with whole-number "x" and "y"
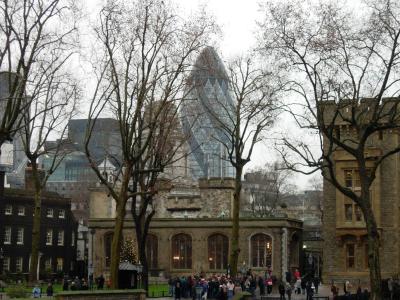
{"x": 190, "y": 233}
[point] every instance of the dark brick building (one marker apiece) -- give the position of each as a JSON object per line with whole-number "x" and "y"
{"x": 58, "y": 232}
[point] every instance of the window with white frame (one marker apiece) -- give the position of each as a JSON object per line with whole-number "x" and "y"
{"x": 7, "y": 235}
{"x": 60, "y": 264}
{"x": 18, "y": 264}
{"x": 47, "y": 264}
{"x": 8, "y": 209}
{"x": 49, "y": 213}
{"x": 21, "y": 211}
{"x": 6, "y": 263}
{"x": 60, "y": 238}
{"x": 73, "y": 239}
{"x": 61, "y": 214}
{"x": 20, "y": 236}
{"x": 49, "y": 237}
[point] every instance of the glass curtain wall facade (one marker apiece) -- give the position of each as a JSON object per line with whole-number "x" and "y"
{"x": 207, "y": 109}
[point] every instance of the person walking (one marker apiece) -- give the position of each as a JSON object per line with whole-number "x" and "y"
{"x": 309, "y": 290}
{"x": 289, "y": 291}
{"x": 49, "y": 290}
{"x": 297, "y": 286}
{"x": 36, "y": 292}
{"x": 334, "y": 290}
{"x": 177, "y": 293}
{"x": 100, "y": 282}
{"x": 230, "y": 287}
{"x": 316, "y": 282}
{"x": 297, "y": 274}
{"x": 303, "y": 285}
{"x": 269, "y": 285}
{"x": 281, "y": 289}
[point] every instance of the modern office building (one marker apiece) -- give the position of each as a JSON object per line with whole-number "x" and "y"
{"x": 208, "y": 104}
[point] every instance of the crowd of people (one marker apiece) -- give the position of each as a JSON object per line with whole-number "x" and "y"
{"x": 224, "y": 287}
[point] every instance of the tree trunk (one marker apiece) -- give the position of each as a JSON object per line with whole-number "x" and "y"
{"x": 145, "y": 271}
{"x": 35, "y": 237}
{"x": 373, "y": 254}
{"x": 116, "y": 243}
{"x": 142, "y": 229}
{"x": 37, "y": 185}
{"x": 234, "y": 256}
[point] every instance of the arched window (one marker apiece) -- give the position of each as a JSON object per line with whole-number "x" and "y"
{"x": 107, "y": 247}
{"x": 218, "y": 251}
{"x": 181, "y": 251}
{"x": 152, "y": 251}
{"x": 261, "y": 250}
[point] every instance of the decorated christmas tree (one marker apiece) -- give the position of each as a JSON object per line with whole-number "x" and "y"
{"x": 129, "y": 252}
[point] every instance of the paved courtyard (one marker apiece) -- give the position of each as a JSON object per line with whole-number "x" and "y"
{"x": 324, "y": 290}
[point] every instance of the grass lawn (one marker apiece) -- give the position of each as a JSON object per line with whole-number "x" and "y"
{"x": 155, "y": 290}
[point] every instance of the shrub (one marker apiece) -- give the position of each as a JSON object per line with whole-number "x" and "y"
{"x": 17, "y": 291}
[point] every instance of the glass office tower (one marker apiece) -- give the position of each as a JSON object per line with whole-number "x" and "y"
{"x": 207, "y": 109}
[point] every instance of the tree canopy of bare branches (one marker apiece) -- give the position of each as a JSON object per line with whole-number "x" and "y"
{"x": 268, "y": 187}
{"x": 147, "y": 50}
{"x": 242, "y": 122}
{"x": 53, "y": 102}
{"x": 341, "y": 65}
{"x": 35, "y": 36}
{"x": 37, "y": 39}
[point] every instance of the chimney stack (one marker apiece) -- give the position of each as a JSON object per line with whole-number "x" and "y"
{"x": 29, "y": 180}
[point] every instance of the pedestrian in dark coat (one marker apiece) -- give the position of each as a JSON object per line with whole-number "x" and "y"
{"x": 177, "y": 290}
{"x": 303, "y": 286}
{"x": 309, "y": 290}
{"x": 316, "y": 284}
{"x": 261, "y": 285}
{"x": 282, "y": 291}
{"x": 49, "y": 291}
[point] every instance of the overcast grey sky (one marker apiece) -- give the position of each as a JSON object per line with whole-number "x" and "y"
{"x": 237, "y": 21}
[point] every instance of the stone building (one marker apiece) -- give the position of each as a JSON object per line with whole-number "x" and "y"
{"x": 190, "y": 233}
{"x": 344, "y": 231}
{"x": 58, "y": 233}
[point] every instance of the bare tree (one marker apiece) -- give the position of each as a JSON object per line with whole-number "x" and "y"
{"x": 29, "y": 31}
{"x": 53, "y": 103}
{"x": 36, "y": 40}
{"x": 241, "y": 123}
{"x": 335, "y": 58}
{"x": 267, "y": 187}
{"x": 154, "y": 169}
{"x": 147, "y": 50}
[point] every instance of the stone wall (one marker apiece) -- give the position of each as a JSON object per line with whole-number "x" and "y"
{"x": 200, "y": 230}
{"x": 385, "y": 198}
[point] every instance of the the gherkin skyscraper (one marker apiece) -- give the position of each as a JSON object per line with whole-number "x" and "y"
{"x": 207, "y": 108}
